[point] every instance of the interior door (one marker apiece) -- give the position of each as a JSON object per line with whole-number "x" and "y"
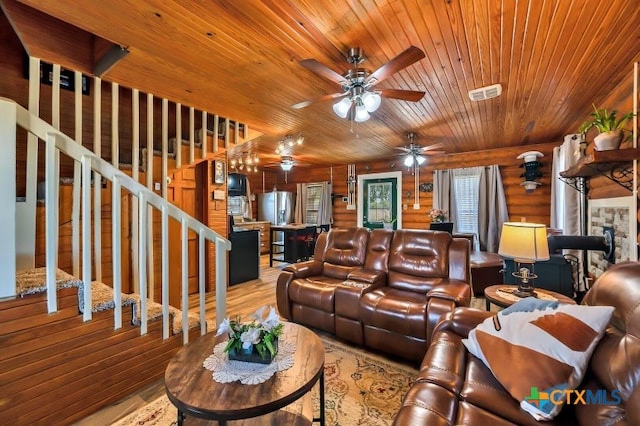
{"x": 184, "y": 194}
{"x": 379, "y": 200}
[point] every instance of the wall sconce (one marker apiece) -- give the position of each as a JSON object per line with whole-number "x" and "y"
{"x": 351, "y": 187}
{"x": 531, "y": 172}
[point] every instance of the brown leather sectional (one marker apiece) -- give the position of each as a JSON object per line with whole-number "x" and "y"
{"x": 382, "y": 289}
{"x": 454, "y": 387}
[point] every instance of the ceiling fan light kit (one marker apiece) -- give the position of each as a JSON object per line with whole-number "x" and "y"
{"x": 359, "y": 98}
{"x": 286, "y": 164}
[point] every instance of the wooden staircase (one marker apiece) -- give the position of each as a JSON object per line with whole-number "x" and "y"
{"x": 57, "y": 369}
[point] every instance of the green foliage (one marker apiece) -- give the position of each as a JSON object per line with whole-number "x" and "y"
{"x": 604, "y": 121}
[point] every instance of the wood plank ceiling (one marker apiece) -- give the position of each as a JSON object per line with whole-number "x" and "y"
{"x": 240, "y": 59}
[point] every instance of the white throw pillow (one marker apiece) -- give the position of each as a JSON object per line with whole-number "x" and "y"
{"x": 539, "y": 349}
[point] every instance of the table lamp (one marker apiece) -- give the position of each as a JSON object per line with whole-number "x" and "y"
{"x": 525, "y": 243}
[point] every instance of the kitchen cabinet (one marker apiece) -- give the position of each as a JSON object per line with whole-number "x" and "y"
{"x": 263, "y": 227}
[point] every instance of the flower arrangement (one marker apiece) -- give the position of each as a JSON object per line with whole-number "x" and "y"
{"x": 259, "y": 334}
{"x": 438, "y": 215}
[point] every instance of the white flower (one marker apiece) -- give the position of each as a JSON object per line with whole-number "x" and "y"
{"x": 250, "y": 337}
{"x": 225, "y": 327}
{"x": 272, "y": 320}
{"x": 259, "y": 313}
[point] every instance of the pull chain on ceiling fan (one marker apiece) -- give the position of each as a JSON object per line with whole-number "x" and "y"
{"x": 358, "y": 95}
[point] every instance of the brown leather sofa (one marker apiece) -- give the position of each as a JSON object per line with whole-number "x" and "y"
{"x": 454, "y": 387}
{"x": 382, "y": 289}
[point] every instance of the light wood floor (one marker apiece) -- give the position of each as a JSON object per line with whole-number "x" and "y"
{"x": 242, "y": 299}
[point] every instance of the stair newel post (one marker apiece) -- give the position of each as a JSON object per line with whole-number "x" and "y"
{"x": 77, "y": 177}
{"x": 51, "y": 218}
{"x": 216, "y": 129}
{"x": 192, "y": 135}
{"x": 8, "y": 198}
{"x": 201, "y": 280}
{"x": 135, "y": 174}
{"x": 97, "y": 179}
{"x": 86, "y": 234}
{"x": 116, "y": 240}
{"x": 185, "y": 277}
{"x": 204, "y": 134}
{"x": 178, "y": 146}
{"x": 26, "y": 211}
{"x": 165, "y": 145}
{"x": 143, "y": 211}
{"x": 221, "y": 279}
{"x": 115, "y": 140}
{"x": 165, "y": 272}
{"x": 149, "y": 224}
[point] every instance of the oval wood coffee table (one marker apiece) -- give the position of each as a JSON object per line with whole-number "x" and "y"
{"x": 191, "y": 388}
{"x": 500, "y": 295}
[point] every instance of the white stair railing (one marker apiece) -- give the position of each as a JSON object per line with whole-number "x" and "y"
{"x": 56, "y": 142}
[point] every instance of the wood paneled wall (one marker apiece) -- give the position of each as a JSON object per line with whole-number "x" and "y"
{"x": 533, "y": 207}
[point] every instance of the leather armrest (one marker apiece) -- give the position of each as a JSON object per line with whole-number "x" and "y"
{"x": 462, "y": 320}
{"x": 456, "y": 291}
{"x": 305, "y": 269}
{"x": 369, "y": 276}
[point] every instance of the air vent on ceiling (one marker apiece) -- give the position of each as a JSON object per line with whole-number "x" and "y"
{"x": 487, "y": 92}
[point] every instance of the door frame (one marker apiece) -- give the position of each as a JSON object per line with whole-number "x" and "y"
{"x": 387, "y": 175}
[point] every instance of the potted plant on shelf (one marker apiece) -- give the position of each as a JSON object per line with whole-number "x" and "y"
{"x": 610, "y": 128}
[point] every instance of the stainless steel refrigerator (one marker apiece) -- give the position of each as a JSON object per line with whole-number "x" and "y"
{"x": 277, "y": 207}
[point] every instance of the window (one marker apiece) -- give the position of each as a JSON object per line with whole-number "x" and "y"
{"x": 314, "y": 192}
{"x": 466, "y": 186}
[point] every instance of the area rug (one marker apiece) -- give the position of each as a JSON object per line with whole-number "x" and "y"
{"x": 361, "y": 388}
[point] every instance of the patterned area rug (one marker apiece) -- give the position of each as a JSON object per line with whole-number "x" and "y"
{"x": 361, "y": 388}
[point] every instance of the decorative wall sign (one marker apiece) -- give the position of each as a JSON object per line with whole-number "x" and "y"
{"x": 67, "y": 79}
{"x": 219, "y": 172}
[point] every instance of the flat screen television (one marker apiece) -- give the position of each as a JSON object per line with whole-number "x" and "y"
{"x": 237, "y": 184}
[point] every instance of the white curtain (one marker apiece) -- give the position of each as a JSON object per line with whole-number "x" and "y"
{"x": 325, "y": 210}
{"x": 566, "y": 204}
{"x": 442, "y": 190}
{"x": 492, "y": 203}
{"x": 301, "y": 203}
{"x": 492, "y": 208}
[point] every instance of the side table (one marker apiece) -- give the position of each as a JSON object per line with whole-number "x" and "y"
{"x": 501, "y": 295}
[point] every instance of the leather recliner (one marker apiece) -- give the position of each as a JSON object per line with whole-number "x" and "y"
{"x": 428, "y": 275}
{"x": 305, "y": 291}
{"x": 455, "y": 387}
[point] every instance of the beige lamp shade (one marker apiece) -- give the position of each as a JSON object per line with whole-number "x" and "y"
{"x": 524, "y": 241}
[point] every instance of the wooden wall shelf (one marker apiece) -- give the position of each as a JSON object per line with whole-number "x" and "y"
{"x": 612, "y": 164}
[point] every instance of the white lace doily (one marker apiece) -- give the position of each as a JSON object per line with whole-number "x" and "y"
{"x": 248, "y": 373}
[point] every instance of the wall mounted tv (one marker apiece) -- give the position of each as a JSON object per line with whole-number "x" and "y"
{"x": 237, "y": 184}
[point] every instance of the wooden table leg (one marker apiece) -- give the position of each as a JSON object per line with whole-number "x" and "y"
{"x": 321, "y": 419}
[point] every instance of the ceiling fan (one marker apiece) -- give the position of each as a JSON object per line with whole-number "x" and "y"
{"x": 359, "y": 96}
{"x": 286, "y": 163}
{"x": 415, "y": 154}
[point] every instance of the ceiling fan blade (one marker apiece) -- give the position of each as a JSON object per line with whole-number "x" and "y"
{"x": 323, "y": 71}
{"x": 403, "y": 60}
{"x": 434, "y": 146}
{"x": 405, "y": 95}
{"x": 433, "y": 153}
{"x": 320, "y": 99}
